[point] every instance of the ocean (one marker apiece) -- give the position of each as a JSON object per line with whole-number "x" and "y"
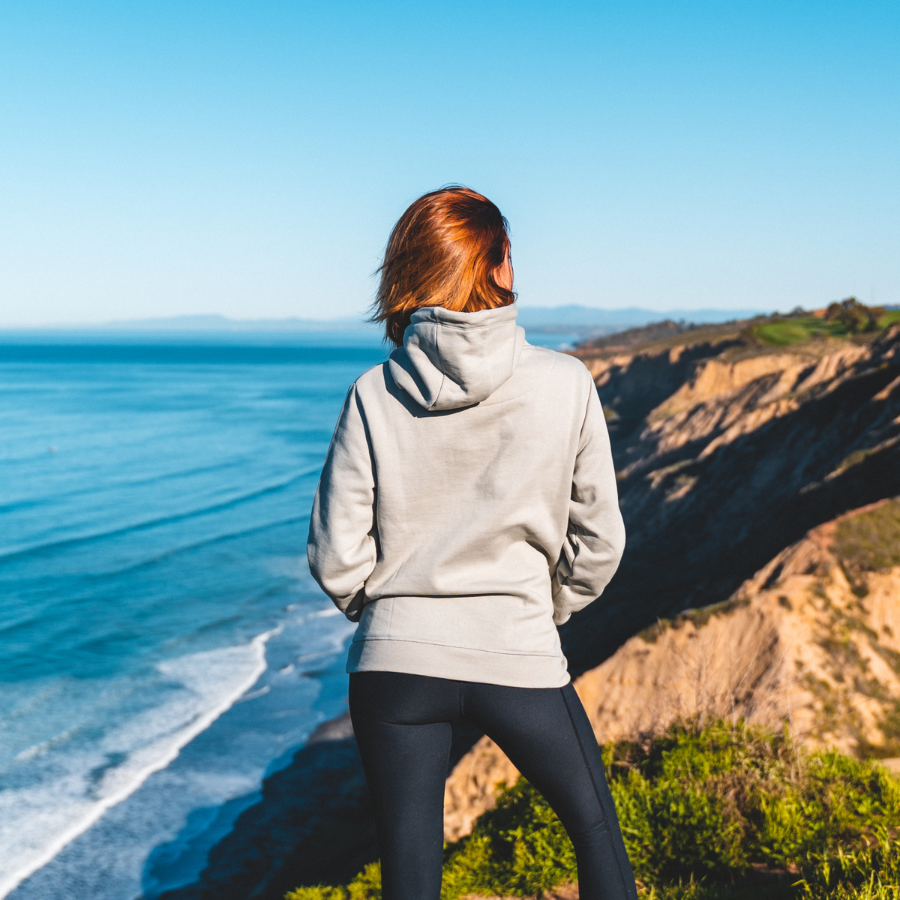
{"x": 162, "y": 645}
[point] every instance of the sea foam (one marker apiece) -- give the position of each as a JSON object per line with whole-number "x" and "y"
{"x": 36, "y": 822}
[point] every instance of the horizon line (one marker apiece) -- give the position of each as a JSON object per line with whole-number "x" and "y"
{"x": 185, "y": 320}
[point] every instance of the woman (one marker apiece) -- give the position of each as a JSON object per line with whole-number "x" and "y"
{"x": 467, "y": 507}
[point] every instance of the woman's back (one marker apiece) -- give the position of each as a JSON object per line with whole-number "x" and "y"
{"x": 457, "y": 472}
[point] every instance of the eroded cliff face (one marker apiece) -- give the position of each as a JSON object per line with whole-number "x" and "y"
{"x": 799, "y": 642}
{"x": 727, "y": 453}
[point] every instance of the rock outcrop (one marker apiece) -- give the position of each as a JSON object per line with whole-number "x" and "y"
{"x": 800, "y": 643}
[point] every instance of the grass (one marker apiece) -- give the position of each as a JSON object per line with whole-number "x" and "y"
{"x": 793, "y": 331}
{"x": 721, "y": 812}
{"x": 785, "y": 332}
{"x": 869, "y": 542}
{"x": 800, "y": 329}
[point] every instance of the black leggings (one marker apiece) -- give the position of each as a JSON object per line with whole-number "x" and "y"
{"x": 403, "y": 727}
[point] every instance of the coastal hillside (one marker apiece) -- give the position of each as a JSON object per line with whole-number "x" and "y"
{"x": 811, "y": 640}
{"x": 734, "y": 444}
{"x": 731, "y": 442}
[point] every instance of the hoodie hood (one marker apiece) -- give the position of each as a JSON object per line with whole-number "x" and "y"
{"x": 454, "y": 359}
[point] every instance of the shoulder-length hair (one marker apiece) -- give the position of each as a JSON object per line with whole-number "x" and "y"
{"x": 442, "y": 252}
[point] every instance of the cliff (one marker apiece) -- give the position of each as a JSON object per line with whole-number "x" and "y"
{"x": 812, "y": 639}
{"x": 729, "y": 450}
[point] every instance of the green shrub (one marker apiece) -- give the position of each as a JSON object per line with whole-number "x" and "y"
{"x": 853, "y": 316}
{"x": 518, "y": 848}
{"x": 702, "y": 811}
{"x": 366, "y": 886}
{"x": 695, "y": 890}
{"x": 868, "y": 872}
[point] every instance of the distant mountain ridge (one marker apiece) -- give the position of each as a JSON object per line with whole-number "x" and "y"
{"x": 571, "y": 319}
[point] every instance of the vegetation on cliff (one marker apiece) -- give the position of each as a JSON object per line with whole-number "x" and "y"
{"x": 719, "y": 812}
{"x": 841, "y": 320}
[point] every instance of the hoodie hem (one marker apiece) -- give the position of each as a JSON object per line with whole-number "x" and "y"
{"x": 526, "y": 670}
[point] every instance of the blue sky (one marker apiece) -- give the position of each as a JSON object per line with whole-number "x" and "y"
{"x": 249, "y": 159}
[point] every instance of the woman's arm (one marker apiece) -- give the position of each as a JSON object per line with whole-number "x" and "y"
{"x": 596, "y": 536}
{"x": 342, "y": 546}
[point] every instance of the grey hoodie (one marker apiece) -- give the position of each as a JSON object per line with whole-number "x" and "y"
{"x": 468, "y": 504}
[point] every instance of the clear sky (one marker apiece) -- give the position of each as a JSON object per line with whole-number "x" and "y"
{"x": 182, "y": 157}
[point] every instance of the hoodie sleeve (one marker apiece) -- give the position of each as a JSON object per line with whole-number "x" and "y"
{"x": 342, "y": 547}
{"x": 596, "y": 535}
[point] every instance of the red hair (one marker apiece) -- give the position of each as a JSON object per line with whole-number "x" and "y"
{"x": 443, "y": 251}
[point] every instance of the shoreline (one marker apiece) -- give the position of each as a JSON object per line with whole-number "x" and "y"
{"x": 312, "y": 823}
{"x": 158, "y": 838}
{"x": 93, "y": 815}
